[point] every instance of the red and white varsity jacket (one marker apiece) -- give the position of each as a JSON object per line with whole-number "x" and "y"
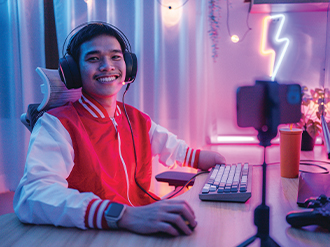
{"x": 80, "y": 160}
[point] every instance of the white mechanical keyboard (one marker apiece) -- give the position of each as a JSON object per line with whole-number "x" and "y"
{"x": 228, "y": 183}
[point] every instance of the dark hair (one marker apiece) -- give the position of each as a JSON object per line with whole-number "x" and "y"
{"x": 91, "y": 31}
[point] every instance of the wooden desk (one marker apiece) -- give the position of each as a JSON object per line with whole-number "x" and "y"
{"x": 219, "y": 224}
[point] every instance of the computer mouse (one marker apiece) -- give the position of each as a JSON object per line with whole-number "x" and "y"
{"x": 187, "y": 223}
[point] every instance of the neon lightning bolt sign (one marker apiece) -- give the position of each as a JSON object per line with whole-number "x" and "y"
{"x": 274, "y": 68}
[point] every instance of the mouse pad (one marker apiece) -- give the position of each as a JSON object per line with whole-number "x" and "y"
{"x": 312, "y": 185}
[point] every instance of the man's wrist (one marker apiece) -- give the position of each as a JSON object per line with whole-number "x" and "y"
{"x": 113, "y": 214}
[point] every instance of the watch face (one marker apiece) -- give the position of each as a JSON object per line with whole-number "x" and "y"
{"x": 114, "y": 210}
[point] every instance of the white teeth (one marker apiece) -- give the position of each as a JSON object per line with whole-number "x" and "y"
{"x": 106, "y": 79}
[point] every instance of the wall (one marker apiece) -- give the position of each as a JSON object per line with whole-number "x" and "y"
{"x": 241, "y": 63}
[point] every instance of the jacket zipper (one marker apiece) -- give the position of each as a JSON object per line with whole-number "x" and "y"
{"x": 122, "y": 159}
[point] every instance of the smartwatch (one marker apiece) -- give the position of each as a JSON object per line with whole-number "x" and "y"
{"x": 114, "y": 213}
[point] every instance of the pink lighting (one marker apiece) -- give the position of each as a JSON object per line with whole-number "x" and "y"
{"x": 247, "y": 140}
{"x": 274, "y": 64}
{"x": 263, "y": 50}
{"x": 233, "y": 139}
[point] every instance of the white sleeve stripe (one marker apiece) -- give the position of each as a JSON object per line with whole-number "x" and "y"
{"x": 92, "y": 213}
{"x": 193, "y": 158}
{"x": 100, "y": 213}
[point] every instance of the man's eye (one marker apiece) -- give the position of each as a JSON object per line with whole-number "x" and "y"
{"x": 116, "y": 57}
{"x": 92, "y": 59}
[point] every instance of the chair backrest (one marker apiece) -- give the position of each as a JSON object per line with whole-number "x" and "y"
{"x": 55, "y": 94}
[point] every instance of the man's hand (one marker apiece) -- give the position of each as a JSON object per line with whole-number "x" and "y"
{"x": 208, "y": 159}
{"x": 167, "y": 216}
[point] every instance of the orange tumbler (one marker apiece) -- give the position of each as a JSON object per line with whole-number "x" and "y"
{"x": 290, "y": 146}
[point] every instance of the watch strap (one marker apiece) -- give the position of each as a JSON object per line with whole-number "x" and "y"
{"x": 112, "y": 224}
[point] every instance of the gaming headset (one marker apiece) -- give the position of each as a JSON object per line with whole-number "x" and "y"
{"x": 69, "y": 70}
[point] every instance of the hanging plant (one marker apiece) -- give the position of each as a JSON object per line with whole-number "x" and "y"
{"x": 214, "y": 20}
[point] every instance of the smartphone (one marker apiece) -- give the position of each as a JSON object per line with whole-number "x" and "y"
{"x": 253, "y": 103}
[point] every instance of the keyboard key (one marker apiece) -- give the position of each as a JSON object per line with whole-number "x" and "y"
{"x": 227, "y": 189}
{"x": 234, "y": 188}
{"x": 244, "y": 179}
{"x": 206, "y": 188}
{"x": 220, "y": 189}
{"x": 213, "y": 188}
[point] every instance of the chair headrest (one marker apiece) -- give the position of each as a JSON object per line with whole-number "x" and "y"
{"x": 54, "y": 91}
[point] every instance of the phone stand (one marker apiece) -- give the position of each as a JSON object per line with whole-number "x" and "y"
{"x": 265, "y": 135}
{"x": 261, "y": 216}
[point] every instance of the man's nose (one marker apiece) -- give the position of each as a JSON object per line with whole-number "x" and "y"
{"x": 106, "y": 64}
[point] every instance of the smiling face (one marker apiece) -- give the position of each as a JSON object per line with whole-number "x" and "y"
{"x": 102, "y": 68}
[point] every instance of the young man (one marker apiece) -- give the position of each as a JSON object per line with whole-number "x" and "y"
{"x": 81, "y": 169}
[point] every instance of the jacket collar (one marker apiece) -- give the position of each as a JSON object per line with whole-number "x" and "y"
{"x": 95, "y": 108}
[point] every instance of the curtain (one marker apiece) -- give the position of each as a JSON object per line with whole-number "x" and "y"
{"x": 170, "y": 84}
{"x": 21, "y": 47}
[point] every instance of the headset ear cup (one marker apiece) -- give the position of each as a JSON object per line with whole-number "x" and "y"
{"x": 131, "y": 66}
{"x": 69, "y": 72}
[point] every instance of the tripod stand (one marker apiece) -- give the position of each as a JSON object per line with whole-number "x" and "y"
{"x": 266, "y": 133}
{"x": 261, "y": 216}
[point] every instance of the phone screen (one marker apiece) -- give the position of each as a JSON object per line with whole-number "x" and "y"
{"x": 251, "y": 104}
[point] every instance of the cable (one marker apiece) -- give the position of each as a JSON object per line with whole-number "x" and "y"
{"x": 319, "y": 161}
{"x": 319, "y": 166}
{"x": 177, "y": 192}
{"x": 326, "y": 44}
{"x": 303, "y": 162}
{"x": 247, "y": 24}
{"x": 135, "y": 156}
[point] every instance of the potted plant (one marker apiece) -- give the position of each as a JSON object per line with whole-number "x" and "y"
{"x": 310, "y": 121}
